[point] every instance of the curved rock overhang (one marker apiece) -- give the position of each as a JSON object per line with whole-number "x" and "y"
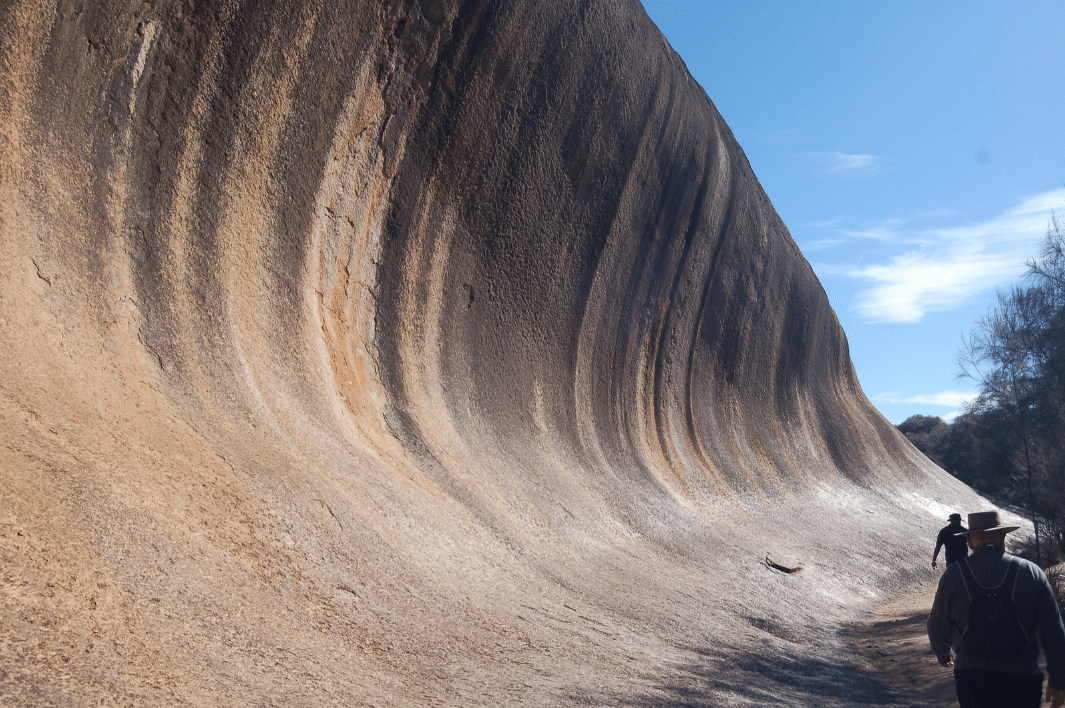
{"x": 416, "y": 353}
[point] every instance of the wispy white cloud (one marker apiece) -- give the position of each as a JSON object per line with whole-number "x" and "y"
{"x": 842, "y": 163}
{"x": 827, "y": 224}
{"x": 821, "y": 244}
{"x": 946, "y": 399}
{"x": 911, "y": 285}
{"x": 937, "y": 214}
{"x": 887, "y": 230}
{"x": 956, "y": 401}
{"x": 1040, "y": 204}
{"x": 943, "y": 268}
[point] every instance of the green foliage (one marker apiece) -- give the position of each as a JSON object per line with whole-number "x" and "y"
{"x": 973, "y": 448}
{"x": 928, "y": 434}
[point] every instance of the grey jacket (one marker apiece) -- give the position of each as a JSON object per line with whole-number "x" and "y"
{"x": 1036, "y": 609}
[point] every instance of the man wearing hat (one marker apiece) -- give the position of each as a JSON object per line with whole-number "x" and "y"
{"x": 995, "y": 648}
{"x": 957, "y": 548}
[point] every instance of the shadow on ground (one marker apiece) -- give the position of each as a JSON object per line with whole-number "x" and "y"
{"x": 895, "y": 645}
{"x": 729, "y": 676}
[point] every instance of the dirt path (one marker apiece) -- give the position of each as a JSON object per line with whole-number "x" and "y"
{"x": 895, "y": 643}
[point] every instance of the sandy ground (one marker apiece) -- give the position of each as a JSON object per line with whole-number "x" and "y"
{"x": 895, "y": 644}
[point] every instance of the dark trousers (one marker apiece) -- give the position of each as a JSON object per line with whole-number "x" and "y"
{"x": 997, "y": 689}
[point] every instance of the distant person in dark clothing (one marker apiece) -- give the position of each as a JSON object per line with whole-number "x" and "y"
{"x": 991, "y": 614}
{"x": 948, "y": 536}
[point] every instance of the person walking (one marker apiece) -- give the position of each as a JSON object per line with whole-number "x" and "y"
{"x": 992, "y": 611}
{"x": 957, "y": 548}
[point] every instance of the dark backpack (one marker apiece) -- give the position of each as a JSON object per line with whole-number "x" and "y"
{"x": 993, "y": 631}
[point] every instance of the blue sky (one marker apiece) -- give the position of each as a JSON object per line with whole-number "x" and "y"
{"x": 916, "y": 151}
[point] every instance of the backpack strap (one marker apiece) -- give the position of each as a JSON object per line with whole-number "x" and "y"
{"x": 1010, "y": 579}
{"x": 967, "y": 578}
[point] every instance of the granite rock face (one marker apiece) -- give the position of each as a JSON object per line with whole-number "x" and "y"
{"x": 417, "y": 352}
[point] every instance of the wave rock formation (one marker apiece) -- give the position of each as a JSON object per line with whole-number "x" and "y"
{"x": 416, "y": 353}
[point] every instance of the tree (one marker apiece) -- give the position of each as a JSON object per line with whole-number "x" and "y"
{"x": 1017, "y": 356}
{"x": 928, "y": 434}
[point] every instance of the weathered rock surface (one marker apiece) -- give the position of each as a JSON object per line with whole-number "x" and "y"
{"x": 417, "y": 353}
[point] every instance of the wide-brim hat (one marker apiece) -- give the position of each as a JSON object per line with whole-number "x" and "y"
{"x": 983, "y": 521}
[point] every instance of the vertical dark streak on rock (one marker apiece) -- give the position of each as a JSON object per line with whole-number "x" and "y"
{"x": 698, "y": 440}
